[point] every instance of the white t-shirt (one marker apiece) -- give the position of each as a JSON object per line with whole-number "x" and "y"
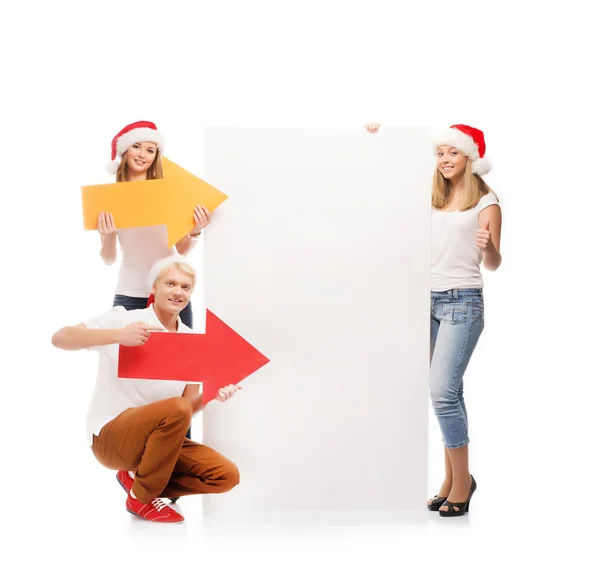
{"x": 113, "y": 395}
{"x": 141, "y": 248}
{"x": 455, "y": 258}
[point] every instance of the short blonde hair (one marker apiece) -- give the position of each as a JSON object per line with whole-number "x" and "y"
{"x": 174, "y": 261}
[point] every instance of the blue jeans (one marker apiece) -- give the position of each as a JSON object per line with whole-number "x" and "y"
{"x": 456, "y": 324}
{"x": 130, "y": 303}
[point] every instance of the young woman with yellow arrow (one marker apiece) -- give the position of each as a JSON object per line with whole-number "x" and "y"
{"x": 135, "y": 156}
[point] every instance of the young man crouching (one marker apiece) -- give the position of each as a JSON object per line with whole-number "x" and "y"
{"x": 138, "y": 427}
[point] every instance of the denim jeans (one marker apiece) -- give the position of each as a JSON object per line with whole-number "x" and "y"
{"x": 130, "y": 303}
{"x": 456, "y": 323}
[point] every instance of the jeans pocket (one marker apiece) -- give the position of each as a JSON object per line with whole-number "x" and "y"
{"x": 455, "y": 313}
{"x": 476, "y": 305}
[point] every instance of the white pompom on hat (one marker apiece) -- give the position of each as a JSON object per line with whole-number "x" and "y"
{"x": 142, "y": 131}
{"x": 470, "y": 141}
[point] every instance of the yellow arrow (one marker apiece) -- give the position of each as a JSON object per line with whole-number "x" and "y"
{"x": 169, "y": 201}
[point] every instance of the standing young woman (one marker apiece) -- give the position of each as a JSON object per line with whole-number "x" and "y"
{"x": 466, "y": 224}
{"x": 135, "y": 156}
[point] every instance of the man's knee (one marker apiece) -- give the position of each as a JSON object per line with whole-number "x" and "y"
{"x": 180, "y": 407}
{"x": 230, "y": 476}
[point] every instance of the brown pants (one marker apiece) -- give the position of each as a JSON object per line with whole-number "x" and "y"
{"x": 151, "y": 442}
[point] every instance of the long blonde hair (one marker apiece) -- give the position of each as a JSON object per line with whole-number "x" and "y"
{"x": 474, "y": 189}
{"x": 155, "y": 170}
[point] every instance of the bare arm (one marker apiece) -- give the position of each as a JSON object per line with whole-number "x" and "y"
{"x": 108, "y": 238}
{"x": 194, "y": 396}
{"x": 201, "y": 220}
{"x": 80, "y": 336}
{"x": 108, "y": 249}
{"x": 186, "y": 245}
{"x": 490, "y": 221}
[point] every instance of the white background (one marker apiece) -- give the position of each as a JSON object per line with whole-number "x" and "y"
{"x": 525, "y": 73}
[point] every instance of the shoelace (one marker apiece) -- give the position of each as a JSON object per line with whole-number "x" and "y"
{"x": 158, "y": 504}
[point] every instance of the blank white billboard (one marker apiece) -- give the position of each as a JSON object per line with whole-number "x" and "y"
{"x": 320, "y": 258}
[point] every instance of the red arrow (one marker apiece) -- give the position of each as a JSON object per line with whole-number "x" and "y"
{"x": 218, "y": 358}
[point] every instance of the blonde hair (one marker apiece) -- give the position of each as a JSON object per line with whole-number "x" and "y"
{"x": 474, "y": 189}
{"x": 169, "y": 262}
{"x": 155, "y": 170}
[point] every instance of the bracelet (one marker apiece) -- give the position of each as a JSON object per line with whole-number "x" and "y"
{"x": 195, "y": 236}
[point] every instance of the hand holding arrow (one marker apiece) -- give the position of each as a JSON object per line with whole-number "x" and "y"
{"x": 218, "y": 359}
{"x": 152, "y": 202}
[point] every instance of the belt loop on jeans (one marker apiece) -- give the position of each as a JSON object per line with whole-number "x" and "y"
{"x": 455, "y": 293}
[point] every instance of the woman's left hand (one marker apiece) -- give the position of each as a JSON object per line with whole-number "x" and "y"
{"x": 201, "y": 219}
{"x": 372, "y": 127}
{"x": 483, "y": 238}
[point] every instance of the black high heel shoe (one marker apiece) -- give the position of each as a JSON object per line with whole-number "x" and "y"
{"x": 436, "y": 502}
{"x": 462, "y": 507}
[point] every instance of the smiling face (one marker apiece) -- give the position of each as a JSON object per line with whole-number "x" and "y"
{"x": 140, "y": 157}
{"x": 173, "y": 290}
{"x": 451, "y": 162}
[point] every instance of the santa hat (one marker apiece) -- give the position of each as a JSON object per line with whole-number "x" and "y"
{"x": 470, "y": 141}
{"x": 137, "y": 132}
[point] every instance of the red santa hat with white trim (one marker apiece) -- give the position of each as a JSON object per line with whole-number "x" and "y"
{"x": 141, "y": 131}
{"x": 470, "y": 141}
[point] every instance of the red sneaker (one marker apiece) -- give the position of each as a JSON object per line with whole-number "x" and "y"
{"x": 156, "y": 510}
{"x": 125, "y": 480}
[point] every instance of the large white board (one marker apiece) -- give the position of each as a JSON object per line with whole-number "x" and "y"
{"x": 320, "y": 258}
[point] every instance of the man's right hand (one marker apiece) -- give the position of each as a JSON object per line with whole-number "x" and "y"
{"x": 137, "y": 333}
